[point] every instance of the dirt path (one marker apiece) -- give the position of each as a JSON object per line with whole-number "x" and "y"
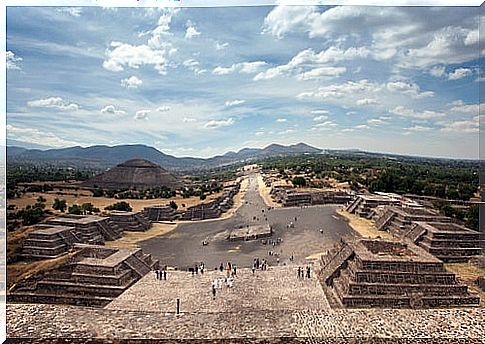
{"x": 264, "y": 192}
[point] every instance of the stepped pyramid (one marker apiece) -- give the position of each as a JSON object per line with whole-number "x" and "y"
{"x": 390, "y": 274}
{"x": 134, "y": 174}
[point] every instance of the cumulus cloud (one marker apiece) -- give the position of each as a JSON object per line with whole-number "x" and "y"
{"x": 408, "y": 88}
{"x": 405, "y": 112}
{"x": 236, "y": 102}
{"x": 13, "y": 61}
{"x": 319, "y": 112}
{"x": 466, "y": 126}
{"x": 461, "y": 107}
{"x": 216, "y": 124}
{"x": 110, "y": 109}
{"x": 36, "y": 136}
{"x": 189, "y": 120}
{"x": 361, "y": 126}
{"x": 243, "y": 67}
{"x": 131, "y": 82}
{"x": 422, "y": 42}
{"x": 459, "y": 73}
{"x": 327, "y": 125}
{"x": 341, "y": 90}
{"x": 308, "y": 64}
{"x": 133, "y": 56}
{"x": 376, "y": 121}
{"x": 281, "y": 120}
{"x": 142, "y": 114}
{"x": 191, "y": 30}
{"x": 418, "y": 128}
{"x": 194, "y": 66}
{"x": 320, "y": 118}
{"x": 437, "y": 71}
{"x": 53, "y": 102}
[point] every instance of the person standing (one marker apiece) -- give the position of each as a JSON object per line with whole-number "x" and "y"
{"x": 213, "y": 290}
{"x": 299, "y": 272}
{"x": 308, "y": 271}
{"x": 165, "y": 274}
{"x": 221, "y": 267}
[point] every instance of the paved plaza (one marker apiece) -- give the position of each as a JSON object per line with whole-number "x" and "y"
{"x": 269, "y": 304}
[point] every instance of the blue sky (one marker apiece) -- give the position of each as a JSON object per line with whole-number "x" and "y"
{"x": 203, "y": 81}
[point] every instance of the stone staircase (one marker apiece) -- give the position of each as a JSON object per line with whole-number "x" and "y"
{"x": 48, "y": 242}
{"x": 93, "y": 276}
{"x": 390, "y": 274}
{"x": 353, "y": 205}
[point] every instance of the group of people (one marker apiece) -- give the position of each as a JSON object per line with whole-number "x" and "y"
{"x": 161, "y": 274}
{"x": 259, "y": 264}
{"x": 231, "y": 269}
{"x": 231, "y": 273}
{"x": 197, "y": 268}
{"x": 301, "y": 272}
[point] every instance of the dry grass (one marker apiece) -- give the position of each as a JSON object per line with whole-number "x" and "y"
{"x": 468, "y": 273}
{"x": 15, "y": 242}
{"x": 131, "y": 239}
{"x": 364, "y": 227}
{"x": 22, "y": 270}
{"x": 84, "y": 196}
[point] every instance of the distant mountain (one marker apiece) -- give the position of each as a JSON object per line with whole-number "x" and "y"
{"x": 105, "y": 156}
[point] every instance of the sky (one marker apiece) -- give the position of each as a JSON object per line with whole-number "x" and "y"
{"x": 204, "y": 81}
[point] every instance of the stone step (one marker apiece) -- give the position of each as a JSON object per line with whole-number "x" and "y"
{"x": 458, "y": 243}
{"x": 119, "y": 279}
{"x": 52, "y": 242}
{"x": 405, "y": 289}
{"x": 80, "y": 300}
{"x": 62, "y": 287}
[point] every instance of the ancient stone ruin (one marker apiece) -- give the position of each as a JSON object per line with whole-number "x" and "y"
{"x": 49, "y": 241}
{"x": 250, "y": 233}
{"x": 89, "y": 229}
{"x": 363, "y": 205}
{"x": 398, "y": 220}
{"x": 446, "y": 241}
{"x": 159, "y": 213}
{"x": 390, "y": 274}
{"x": 289, "y": 197}
{"x": 134, "y": 174}
{"x": 91, "y": 275}
{"x": 130, "y": 220}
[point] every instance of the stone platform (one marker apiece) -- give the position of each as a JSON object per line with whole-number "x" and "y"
{"x": 273, "y": 306}
{"x": 90, "y": 229}
{"x": 49, "y": 241}
{"x": 130, "y": 220}
{"x": 390, "y": 274}
{"x": 91, "y": 276}
{"x": 250, "y": 233}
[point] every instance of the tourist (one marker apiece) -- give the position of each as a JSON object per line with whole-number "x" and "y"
{"x": 202, "y": 266}
{"x": 213, "y": 290}
{"x": 278, "y": 260}
{"x": 157, "y": 273}
{"x": 228, "y": 271}
{"x": 196, "y": 269}
{"x": 254, "y": 268}
{"x": 234, "y": 269}
{"x": 165, "y": 274}
{"x": 299, "y": 272}
{"x": 221, "y": 267}
{"x": 308, "y": 271}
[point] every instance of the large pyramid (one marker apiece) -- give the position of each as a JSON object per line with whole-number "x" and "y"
{"x": 134, "y": 174}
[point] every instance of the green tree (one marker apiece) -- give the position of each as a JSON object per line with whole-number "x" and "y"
{"x": 76, "y": 210}
{"x": 121, "y": 206}
{"x": 173, "y": 205}
{"x": 472, "y": 217}
{"x": 299, "y": 181}
{"x": 60, "y": 205}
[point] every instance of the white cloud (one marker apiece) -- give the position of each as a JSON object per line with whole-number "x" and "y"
{"x": 163, "y": 108}
{"x": 72, "y": 11}
{"x": 53, "y": 102}
{"x": 410, "y": 89}
{"x": 437, "y": 71}
{"x": 459, "y": 73}
{"x": 37, "y": 136}
{"x": 367, "y": 101}
{"x": 243, "y": 67}
{"x": 405, "y": 112}
{"x": 419, "y": 128}
{"x": 131, "y": 82}
{"x": 303, "y": 62}
{"x": 189, "y": 120}
{"x": 327, "y": 125}
{"x": 221, "y": 46}
{"x": 320, "y": 118}
{"x": 467, "y": 126}
{"x": 319, "y": 112}
{"x": 362, "y": 126}
{"x": 376, "y": 121}
{"x": 110, "y": 109}
{"x": 126, "y": 55}
{"x": 12, "y": 61}
{"x": 281, "y": 120}
{"x": 215, "y": 124}
{"x": 234, "y": 102}
{"x": 142, "y": 114}
{"x": 191, "y": 31}
{"x": 348, "y": 130}
{"x": 322, "y": 73}
{"x": 341, "y": 90}
{"x": 461, "y": 107}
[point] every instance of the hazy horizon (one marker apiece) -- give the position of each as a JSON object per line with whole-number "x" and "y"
{"x": 201, "y": 82}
